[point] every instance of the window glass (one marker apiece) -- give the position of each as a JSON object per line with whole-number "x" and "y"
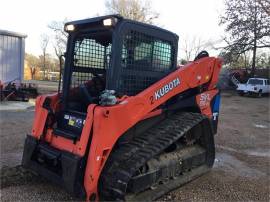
{"x": 162, "y": 55}
{"x": 255, "y": 81}
{"x": 89, "y": 53}
{"x": 141, "y": 51}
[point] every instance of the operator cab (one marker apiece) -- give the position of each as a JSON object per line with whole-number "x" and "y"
{"x": 111, "y": 53}
{"x": 114, "y": 53}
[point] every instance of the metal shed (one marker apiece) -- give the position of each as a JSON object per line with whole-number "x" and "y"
{"x": 12, "y": 50}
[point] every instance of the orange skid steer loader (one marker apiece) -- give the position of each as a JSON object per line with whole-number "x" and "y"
{"x": 127, "y": 124}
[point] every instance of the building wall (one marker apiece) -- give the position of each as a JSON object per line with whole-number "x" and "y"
{"x": 12, "y": 50}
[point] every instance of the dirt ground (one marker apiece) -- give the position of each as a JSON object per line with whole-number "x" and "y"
{"x": 241, "y": 171}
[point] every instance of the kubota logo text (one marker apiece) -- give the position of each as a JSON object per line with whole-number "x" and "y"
{"x": 167, "y": 88}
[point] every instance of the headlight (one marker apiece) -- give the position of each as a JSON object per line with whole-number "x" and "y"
{"x": 69, "y": 28}
{"x": 109, "y": 21}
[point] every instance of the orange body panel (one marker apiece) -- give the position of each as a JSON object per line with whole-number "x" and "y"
{"x": 108, "y": 123}
{"x": 42, "y": 113}
{"x": 204, "y": 100}
{"x": 56, "y": 141}
{"x": 80, "y": 147}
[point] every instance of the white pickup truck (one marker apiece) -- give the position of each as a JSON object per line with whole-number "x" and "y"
{"x": 254, "y": 86}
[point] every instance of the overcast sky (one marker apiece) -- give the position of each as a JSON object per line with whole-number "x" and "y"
{"x": 187, "y": 18}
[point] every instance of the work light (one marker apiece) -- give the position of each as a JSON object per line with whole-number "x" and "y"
{"x": 69, "y": 28}
{"x": 109, "y": 21}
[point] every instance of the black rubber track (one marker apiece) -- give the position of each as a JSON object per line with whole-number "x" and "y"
{"x": 125, "y": 161}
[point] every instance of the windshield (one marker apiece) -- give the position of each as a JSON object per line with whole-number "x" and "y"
{"x": 255, "y": 81}
{"x": 89, "y": 53}
{"x": 91, "y": 56}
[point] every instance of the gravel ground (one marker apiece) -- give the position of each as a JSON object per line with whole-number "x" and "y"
{"x": 14, "y": 125}
{"x": 241, "y": 171}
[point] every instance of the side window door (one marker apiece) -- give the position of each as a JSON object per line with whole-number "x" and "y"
{"x": 144, "y": 60}
{"x": 147, "y": 53}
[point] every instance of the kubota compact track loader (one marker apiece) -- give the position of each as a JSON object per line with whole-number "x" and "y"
{"x": 127, "y": 124}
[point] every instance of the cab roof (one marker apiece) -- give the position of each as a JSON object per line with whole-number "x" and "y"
{"x": 99, "y": 20}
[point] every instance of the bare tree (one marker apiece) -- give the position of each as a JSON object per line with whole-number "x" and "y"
{"x": 192, "y": 47}
{"x": 59, "y": 38}
{"x": 265, "y": 4}
{"x": 248, "y": 27}
{"x": 133, "y": 9}
{"x": 44, "y": 44}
